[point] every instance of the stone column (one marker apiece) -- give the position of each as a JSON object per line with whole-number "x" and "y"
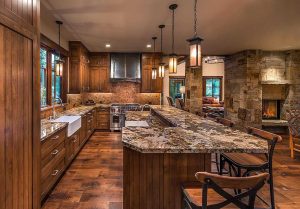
{"x": 193, "y": 85}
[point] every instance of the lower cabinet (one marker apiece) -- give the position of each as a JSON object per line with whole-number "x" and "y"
{"x": 103, "y": 118}
{"x": 58, "y": 151}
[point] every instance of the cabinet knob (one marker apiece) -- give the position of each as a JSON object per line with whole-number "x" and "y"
{"x": 56, "y": 137}
{"x": 55, "y": 172}
{"x": 55, "y": 152}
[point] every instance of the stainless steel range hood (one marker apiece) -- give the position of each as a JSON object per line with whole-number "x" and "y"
{"x": 125, "y": 67}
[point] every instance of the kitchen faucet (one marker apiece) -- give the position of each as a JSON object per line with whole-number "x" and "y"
{"x": 53, "y": 104}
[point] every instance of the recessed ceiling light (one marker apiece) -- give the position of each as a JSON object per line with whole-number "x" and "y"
{"x": 107, "y": 45}
{"x": 148, "y": 45}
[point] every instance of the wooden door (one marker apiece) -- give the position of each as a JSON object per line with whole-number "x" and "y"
{"x": 16, "y": 157}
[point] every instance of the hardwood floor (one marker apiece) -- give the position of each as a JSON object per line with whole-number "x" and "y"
{"x": 94, "y": 180}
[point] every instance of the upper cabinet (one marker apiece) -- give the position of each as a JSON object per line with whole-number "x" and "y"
{"x": 99, "y": 72}
{"x": 150, "y": 85}
{"x": 79, "y": 68}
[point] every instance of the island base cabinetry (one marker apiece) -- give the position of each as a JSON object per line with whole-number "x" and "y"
{"x": 153, "y": 180}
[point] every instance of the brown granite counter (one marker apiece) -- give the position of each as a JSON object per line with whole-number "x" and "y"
{"x": 190, "y": 134}
{"x": 48, "y": 128}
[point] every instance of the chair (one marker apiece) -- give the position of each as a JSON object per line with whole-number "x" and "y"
{"x": 213, "y": 196}
{"x": 170, "y": 101}
{"x": 294, "y": 132}
{"x": 250, "y": 163}
{"x": 228, "y": 123}
{"x": 179, "y": 103}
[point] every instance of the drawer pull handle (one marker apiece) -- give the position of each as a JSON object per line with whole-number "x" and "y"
{"x": 89, "y": 113}
{"x": 55, "y": 172}
{"x": 55, "y": 152}
{"x": 56, "y": 137}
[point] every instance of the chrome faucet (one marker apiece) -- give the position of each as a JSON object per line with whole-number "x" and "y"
{"x": 145, "y": 105}
{"x": 53, "y": 106}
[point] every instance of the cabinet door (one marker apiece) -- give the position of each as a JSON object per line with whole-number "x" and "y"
{"x": 104, "y": 79}
{"x": 146, "y": 79}
{"x": 75, "y": 77}
{"x": 85, "y": 77}
{"x": 83, "y": 130}
{"x": 69, "y": 150}
{"x": 94, "y": 80}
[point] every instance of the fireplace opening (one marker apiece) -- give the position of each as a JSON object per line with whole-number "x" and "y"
{"x": 271, "y": 109}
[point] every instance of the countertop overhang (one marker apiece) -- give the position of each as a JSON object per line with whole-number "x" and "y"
{"x": 188, "y": 133}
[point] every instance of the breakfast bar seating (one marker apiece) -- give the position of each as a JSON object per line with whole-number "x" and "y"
{"x": 161, "y": 157}
{"x": 251, "y": 163}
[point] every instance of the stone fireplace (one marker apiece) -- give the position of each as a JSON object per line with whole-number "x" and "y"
{"x": 261, "y": 87}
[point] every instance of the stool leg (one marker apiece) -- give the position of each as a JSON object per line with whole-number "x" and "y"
{"x": 272, "y": 195}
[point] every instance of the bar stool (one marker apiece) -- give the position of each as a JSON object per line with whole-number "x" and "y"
{"x": 227, "y": 123}
{"x": 294, "y": 132}
{"x": 213, "y": 196}
{"x": 250, "y": 162}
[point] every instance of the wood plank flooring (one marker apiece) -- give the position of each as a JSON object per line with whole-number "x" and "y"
{"x": 94, "y": 180}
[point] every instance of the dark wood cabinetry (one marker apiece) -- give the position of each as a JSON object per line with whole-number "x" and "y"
{"x": 99, "y": 72}
{"x": 79, "y": 68}
{"x": 103, "y": 118}
{"x": 150, "y": 85}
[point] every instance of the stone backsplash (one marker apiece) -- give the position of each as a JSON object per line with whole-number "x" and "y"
{"x": 122, "y": 92}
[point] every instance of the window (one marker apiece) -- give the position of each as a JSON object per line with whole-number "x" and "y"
{"x": 212, "y": 87}
{"x": 47, "y": 73}
{"x": 43, "y": 72}
{"x": 175, "y": 84}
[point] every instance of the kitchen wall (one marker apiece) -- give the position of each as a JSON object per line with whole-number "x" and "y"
{"x": 49, "y": 28}
{"x": 122, "y": 92}
{"x": 214, "y": 70}
{"x": 166, "y": 83}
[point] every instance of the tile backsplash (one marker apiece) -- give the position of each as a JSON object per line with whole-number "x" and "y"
{"x": 122, "y": 92}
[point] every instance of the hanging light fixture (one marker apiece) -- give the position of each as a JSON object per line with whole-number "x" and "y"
{"x": 173, "y": 56}
{"x": 154, "y": 69}
{"x": 195, "y": 44}
{"x": 161, "y": 68}
{"x": 59, "y": 63}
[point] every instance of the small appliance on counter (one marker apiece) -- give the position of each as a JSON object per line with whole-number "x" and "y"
{"x": 90, "y": 102}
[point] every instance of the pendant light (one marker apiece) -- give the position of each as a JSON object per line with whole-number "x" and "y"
{"x": 195, "y": 44}
{"x": 173, "y": 56}
{"x": 154, "y": 69}
{"x": 59, "y": 63}
{"x": 161, "y": 68}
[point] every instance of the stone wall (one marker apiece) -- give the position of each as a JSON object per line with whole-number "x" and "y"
{"x": 193, "y": 88}
{"x": 253, "y": 75}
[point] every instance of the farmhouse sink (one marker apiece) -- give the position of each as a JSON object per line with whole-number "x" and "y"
{"x": 74, "y": 123}
{"x": 141, "y": 123}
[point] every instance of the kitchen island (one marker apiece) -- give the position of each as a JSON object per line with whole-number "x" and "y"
{"x": 176, "y": 145}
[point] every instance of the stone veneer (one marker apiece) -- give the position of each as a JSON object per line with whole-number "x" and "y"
{"x": 193, "y": 88}
{"x": 253, "y": 75}
{"x": 121, "y": 92}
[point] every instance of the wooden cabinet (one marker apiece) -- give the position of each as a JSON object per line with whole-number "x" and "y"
{"x": 103, "y": 118}
{"x": 72, "y": 146}
{"x": 99, "y": 72}
{"x": 83, "y": 130}
{"x": 148, "y": 84}
{"x": 53, "y": 156}
{"x": 79, "y": 68}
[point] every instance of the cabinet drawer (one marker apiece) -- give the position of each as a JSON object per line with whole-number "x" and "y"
{"x": 52, "y": 176}
{"x": 49, "y": 144}
{"x": 53, "y": 154}
{"x": 48, "y": 169}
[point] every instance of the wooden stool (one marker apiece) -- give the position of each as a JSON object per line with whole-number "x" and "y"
{"x": 213, "y": 195}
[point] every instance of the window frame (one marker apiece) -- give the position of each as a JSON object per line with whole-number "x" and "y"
{"x": 64, "y": 56}
{"x": 204, "y": 78}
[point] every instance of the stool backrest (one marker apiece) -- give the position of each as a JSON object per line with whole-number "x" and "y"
{"x": 179, "y": 104}
{"x": 294, "y": 125}
{"x": 170, "y": 101}
{"x": 218, "y": 183}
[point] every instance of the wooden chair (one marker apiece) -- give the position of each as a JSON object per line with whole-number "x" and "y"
{"x": 170, "y": 101}
{"x": 294, "y": 132}
{"x": 213, "y": 195}
{"x": 228, "y": 123}
{"x": 250, "y": 163}
{"x": 179, "y": 103}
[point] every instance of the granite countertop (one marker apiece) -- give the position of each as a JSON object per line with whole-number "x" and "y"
{"x": 48, "y": 128}
{"x": 190, "y": 134}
